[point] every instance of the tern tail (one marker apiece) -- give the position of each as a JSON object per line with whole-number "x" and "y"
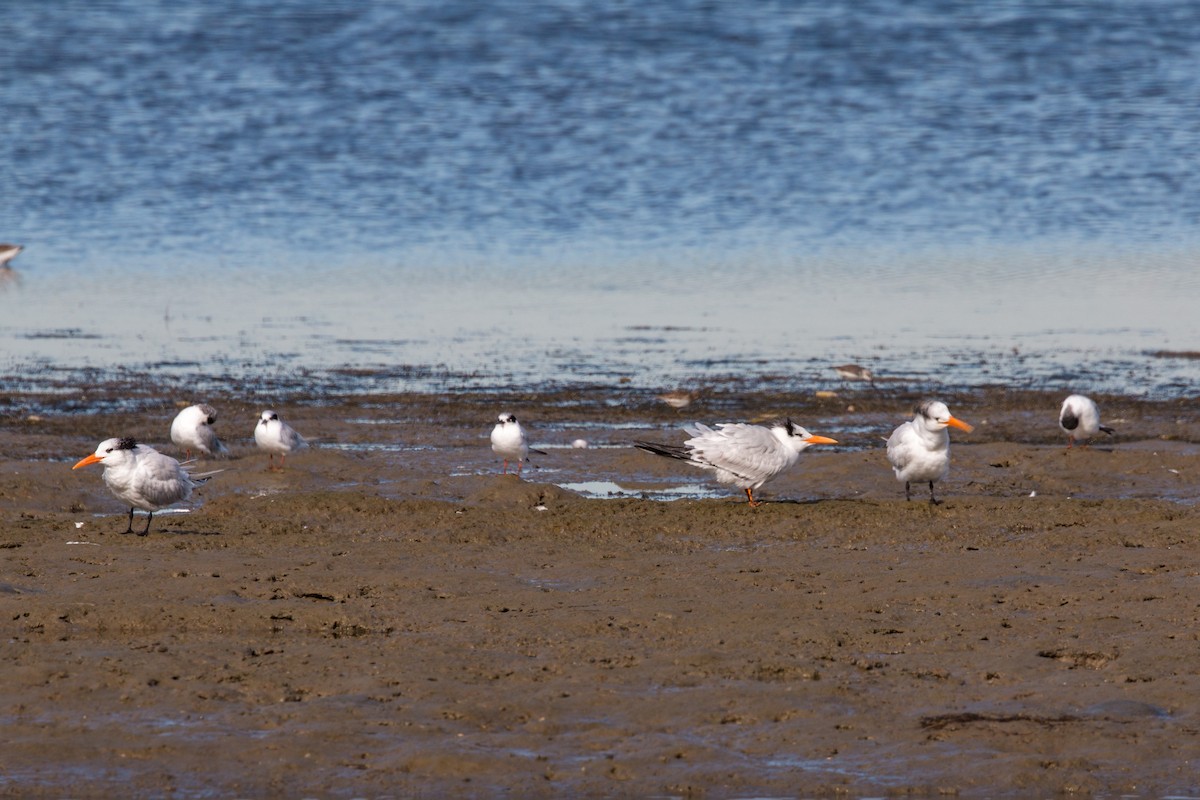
{"x": 1108, "y": 430}
{"x": 666, "y": 450}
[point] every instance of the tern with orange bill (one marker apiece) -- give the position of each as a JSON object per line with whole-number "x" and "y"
{"x": 919, "y": 450}
{"x": 142, "y": 477}
{"x": 741, "y": 455}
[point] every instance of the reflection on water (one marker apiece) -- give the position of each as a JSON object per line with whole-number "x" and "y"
{"x": 609, "y": 490}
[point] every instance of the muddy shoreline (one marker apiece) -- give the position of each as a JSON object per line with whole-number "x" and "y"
{"x": 389, "y": 617}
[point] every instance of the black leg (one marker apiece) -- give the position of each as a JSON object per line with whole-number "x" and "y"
{"x": 907, "y": 492}
{"x": 129, "y": 529}
{"x": 147, "y": 529}
{"x": 933, "y": 499}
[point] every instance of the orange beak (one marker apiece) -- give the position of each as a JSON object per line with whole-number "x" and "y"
{"x": 820, "y": 440}
{"x": 92, "y": 459}
{"x": 962, "y": 426}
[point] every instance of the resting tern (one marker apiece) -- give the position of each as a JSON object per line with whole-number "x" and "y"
{"x": 919, "y": 450}
{"x": 275, "y": 436}
{"x": 510, "y": 442}
{"x": 192, "y": 430}
{"x": 742, "y": 455}
{"x": 142, "y": 477}
{"x": 1079, "y": 419}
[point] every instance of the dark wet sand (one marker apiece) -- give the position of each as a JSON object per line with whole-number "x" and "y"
{"x": 400, "y": 622}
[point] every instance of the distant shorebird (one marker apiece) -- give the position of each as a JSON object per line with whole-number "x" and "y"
{"x": 1079, "y": 419}
{"x": 8, "y": 252}
{"x": 677, "y": 400}
{"x": 919, "y": 450}
{"x": 741, "y": 455}
{"x": 275, "y": 436}
{"x": 854, "y": 372}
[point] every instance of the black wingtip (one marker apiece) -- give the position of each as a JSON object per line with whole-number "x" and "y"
{"x": 1108, "y": 430}
{"x": 665, "y": 450}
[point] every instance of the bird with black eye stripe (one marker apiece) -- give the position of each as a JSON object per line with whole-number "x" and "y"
{"x": 273, "y": 435}
{"x": 511, "y": 443}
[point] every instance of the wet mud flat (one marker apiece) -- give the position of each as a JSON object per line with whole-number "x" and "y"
{"x": 389, "y": 617}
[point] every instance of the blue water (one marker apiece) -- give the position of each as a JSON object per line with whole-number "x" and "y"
{"x": 566, "y": 191}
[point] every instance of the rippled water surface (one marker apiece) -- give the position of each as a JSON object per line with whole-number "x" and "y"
{"x": 421, "y": 195}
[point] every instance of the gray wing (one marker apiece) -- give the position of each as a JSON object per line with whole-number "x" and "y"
{"x": 288, "y": 435}
{"x": 900, "y": 446}
{"x": 208, "y": 437}
{"x": 750, "y": 452}
{"x": 162, "y": 481}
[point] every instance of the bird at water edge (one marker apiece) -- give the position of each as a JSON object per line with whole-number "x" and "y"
{"x": 8, "y": 252}
{"x": 275, "y": 436}
{"x": 854, "y": 372}
{"x": 1079, "y": 419}
{"x": 142, "y": 477}
{"x": 192, "y": 430}
{"x": 741, "y": 455}
{"x": 510, "y": 442}
{"x": 919, "y": 450}
{"x": 678, "y": 400}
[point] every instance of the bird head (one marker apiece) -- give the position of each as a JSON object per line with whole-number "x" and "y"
{"x": 110, "y": 452}
{"x": 799, "y": 437}
{"x": 935, "y": 415}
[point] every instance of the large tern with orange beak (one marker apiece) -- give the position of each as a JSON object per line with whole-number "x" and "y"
{"x": 741, "y": 455}
{"x": 142, "y": 477}
{"x": 919, "y": 450}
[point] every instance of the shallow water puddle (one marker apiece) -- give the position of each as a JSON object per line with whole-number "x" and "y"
{"x": 611, "y": 490}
